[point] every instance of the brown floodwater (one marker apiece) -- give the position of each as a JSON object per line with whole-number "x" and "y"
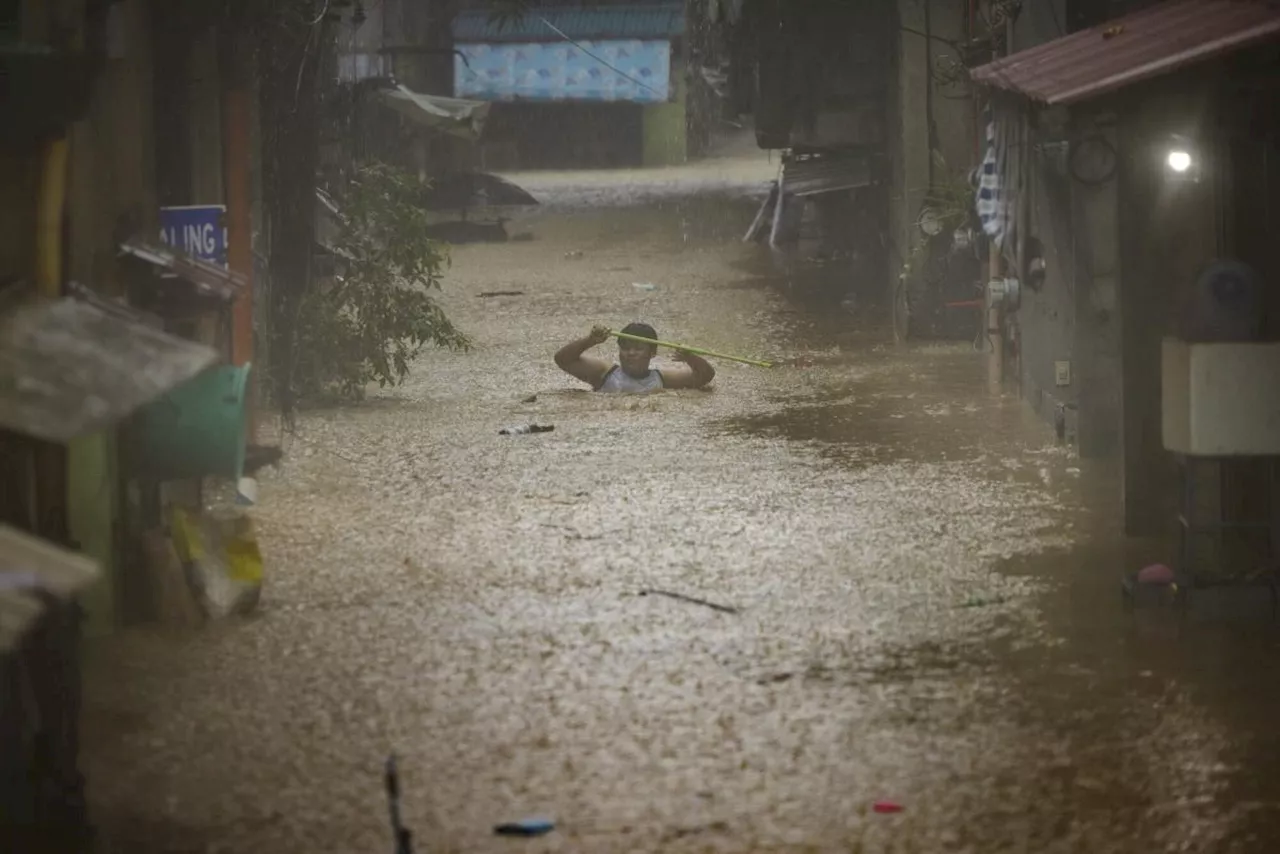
{"x": 926, "y": 590}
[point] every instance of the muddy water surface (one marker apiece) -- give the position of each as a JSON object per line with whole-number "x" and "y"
{"x": 925, "y": 584}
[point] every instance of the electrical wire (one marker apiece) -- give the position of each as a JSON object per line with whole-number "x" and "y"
{"x": 324, "y": 11}
{"x": 613, "y": 68}
{"x": 562, "y": 34}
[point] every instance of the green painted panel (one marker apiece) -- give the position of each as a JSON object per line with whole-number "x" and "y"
{"x": 664, "y": 127}
{"x": 92, "y": 511}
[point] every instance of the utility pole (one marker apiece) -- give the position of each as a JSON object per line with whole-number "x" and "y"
{"x": 237, "y": 152}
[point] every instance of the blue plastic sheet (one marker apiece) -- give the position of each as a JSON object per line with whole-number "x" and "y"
{"x": 636, "y": 71}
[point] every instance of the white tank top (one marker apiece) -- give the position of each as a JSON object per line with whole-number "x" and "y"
{"x": 618, "y": 381}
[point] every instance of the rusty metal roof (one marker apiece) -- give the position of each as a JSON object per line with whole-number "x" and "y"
{"x": 1145, "y": 44}
{"x": 811, "y": 174}
{"x": 208, "y": 279}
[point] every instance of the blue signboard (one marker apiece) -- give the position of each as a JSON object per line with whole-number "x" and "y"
{"x": 198, "y": 230}
{"x": 631, "y": 70}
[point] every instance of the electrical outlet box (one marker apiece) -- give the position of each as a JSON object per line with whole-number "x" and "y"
{"x": 1062, "y": 374}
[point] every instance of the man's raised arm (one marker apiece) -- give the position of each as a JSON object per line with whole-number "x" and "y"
{"x": 572, "y": 360}
{"x": 697, "y": 373}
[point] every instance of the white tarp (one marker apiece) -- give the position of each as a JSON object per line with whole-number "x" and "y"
{"x": 27, "y": 566}
{"x": 456, "y": 116}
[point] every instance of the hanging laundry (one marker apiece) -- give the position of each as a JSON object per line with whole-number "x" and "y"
{"x": 999, "y": 178}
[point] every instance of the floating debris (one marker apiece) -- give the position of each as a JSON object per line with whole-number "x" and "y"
{"x": 391, "y": 781}
{"x": 525, "y": 429}
{"x": 983, "y": 601}
{"x": 727, "y": 609}
{"x": 526, "y": 827}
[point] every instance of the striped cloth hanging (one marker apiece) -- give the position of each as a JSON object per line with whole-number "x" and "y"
{"x": 995, "y": 193}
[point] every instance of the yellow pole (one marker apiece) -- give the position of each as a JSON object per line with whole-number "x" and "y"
{"x": 49, "y": 210}
{"x": 697, "y": 351}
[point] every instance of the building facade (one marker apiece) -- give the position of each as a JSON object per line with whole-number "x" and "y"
{"x": 1148, "y": 144}
{"x": 576, "y": 87}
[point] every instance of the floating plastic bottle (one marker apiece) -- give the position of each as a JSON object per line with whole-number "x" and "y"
{"x": 526, "y": 428}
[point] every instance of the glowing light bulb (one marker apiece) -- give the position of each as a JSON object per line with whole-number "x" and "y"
{"x": 1179, "y": 161}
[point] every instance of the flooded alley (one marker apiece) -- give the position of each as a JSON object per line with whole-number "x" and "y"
{"x": 920, "y": 591}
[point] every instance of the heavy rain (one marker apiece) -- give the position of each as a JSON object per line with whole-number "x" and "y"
{"x": 968, "y": 546}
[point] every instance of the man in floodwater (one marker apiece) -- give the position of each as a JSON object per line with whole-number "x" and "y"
{"x": 632, "y": 374}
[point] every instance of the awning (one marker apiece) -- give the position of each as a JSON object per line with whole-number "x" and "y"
{"x": 810, "y": 174}
{"x": 69, "y": 368}
{"x": 1146, "y": 44}
{"x": 456, "y": 116}
{"x": 209, "y": 279}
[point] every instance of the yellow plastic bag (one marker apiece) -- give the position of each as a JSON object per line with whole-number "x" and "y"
{"x": 244, "y": 559}
{"x": 224, "y": 563}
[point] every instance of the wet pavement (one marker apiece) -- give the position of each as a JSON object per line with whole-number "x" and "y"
{"x": 926, "y": 585}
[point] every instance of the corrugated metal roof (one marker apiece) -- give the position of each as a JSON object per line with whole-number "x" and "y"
{"x": 68, "y": 368}
{"x": 208, "y": 279}
{"x": 1154, "y": 41}
{"x": 28, "y": 566}
{"x": 633, "y": 21}
{"x": 810, "y": 174}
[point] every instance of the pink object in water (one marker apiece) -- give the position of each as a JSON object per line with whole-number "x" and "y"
{"x": 1157, "y": 573}
{"x": 887, "y": 807}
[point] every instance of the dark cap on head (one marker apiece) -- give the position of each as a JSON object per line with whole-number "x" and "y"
{"x": 643, "y": 330}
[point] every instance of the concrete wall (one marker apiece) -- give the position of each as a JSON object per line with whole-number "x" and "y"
{"x": 1096, "y": 367}
{"x": 20, "y": 173}
{"x": 953, "y": 124}
{"x": 923, "y": 116}
{"x": 908, "y": 134}
{"x": 359, "y": 47}
{"x": 1120, "y": 252}
{"x": 1252, "y": 125}
{"x": 666, "y": 126}
{"x": 19, "y": 182}
{"x": 1074, "y": 317}
{"x": 205, "y": 129}
{"x": 112, "y": 176}
{"x": 530, "y": 135}
{"x": 1168, "y": 231}
{"x": 426, "y": 25}
{"x": 1046, "y": 321}
{"x": 111, "y": 188}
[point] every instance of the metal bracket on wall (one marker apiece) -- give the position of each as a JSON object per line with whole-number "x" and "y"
{"x": 1006, "y": 293}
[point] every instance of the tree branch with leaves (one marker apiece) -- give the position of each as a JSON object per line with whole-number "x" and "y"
{"x": 379, "y": 312}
